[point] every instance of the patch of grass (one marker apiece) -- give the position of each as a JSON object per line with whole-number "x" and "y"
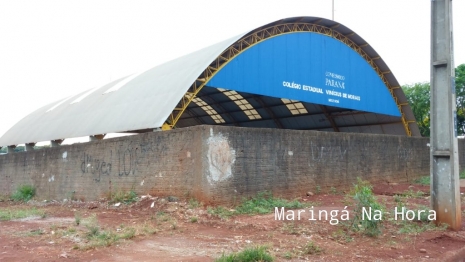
{"x": 412, "y": 194}
{"x": 410, "y": 227}
{"x": 193, "y": 203}
{"x": 342, "y": 235}
{"x": 4, "y": 198}
{"x": 77, "y": 218}
{"x": 262, "y": 203}
{"x": 162, "y": 216}
{"x": 290, "y": 228}
{"x": 333, "y": 191}
{"x": 174, "y": 225}
{"x": 24, "y": 193}
{"x": 364, "y": 200}
{"x": 194, "y": 219}
{"x": 265, "y": 203}
{"x": 317, "y": 189}
{"x": 220, "y": 212}
{"x": 89, "y": 221}
{"x": 147, "y": 229}
{"x": 419, "y": 222}
{"x": 248, "y": 255}
{"x": 125, "y": 197}
{"x": 35, "y": 232}
{"x": 288, "y": 255}
{"x": 97, "y": 237}
{"x": 312, "y": 249}
{"x": 424, "y": 180}
{"x": 10, "y": 213}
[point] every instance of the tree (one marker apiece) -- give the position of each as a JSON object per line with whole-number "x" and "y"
{"x": 418, "y": 96}
{"x": 460, "y": 95}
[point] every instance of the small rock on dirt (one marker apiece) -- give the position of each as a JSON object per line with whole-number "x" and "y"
{"x": 422, "y": 250}
{"x": 309, "y": 193}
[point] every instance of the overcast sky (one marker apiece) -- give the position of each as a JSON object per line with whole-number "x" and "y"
{"x": 53, "y": 49}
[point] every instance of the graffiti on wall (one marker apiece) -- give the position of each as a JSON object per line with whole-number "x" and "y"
{"x": 323, "y": 153}
{"x": 95, "y": 166}
{"x": 126, "y": 161}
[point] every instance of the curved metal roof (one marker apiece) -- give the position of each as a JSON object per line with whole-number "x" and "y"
{"x": 176, "y": 94}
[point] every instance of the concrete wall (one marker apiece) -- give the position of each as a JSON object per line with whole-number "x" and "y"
{"x": 216, "y": 164}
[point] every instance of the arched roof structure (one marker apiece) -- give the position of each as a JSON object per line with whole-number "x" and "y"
{"x": 231, "y": 83}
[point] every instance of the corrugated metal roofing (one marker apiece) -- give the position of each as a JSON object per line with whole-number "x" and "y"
{"x": 145, "y": 100}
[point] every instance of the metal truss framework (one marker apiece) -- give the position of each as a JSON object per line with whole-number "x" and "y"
{"x": 261, "y": 35}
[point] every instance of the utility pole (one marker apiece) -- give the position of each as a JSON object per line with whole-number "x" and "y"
{"x": 444, "y": 170}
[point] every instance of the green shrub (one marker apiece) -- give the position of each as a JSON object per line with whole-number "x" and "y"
{"x": 13, "y": 213}
{"x": 365, "y": 200}
{"x": 462, "y": 175}
{"x": 262, "y": 203}
{"x": 312, "y": 249}
{"x": 248, "y": 255}
{"x": 24, "y": 193}
{"x": 265, "y": 203}
{"x": 125, "y": 197}
{"x": 193, "y": 203}
{"x": 220, "y": 212}
{"x": 424, "y": 180}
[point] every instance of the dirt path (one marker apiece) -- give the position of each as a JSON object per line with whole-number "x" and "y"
{"x": 183, "y": 231}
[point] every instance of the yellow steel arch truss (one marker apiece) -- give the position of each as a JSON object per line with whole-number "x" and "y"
{"x": 255, "y": 38}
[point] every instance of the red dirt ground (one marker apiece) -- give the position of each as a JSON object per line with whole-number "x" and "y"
{"x": 168, "y": 232}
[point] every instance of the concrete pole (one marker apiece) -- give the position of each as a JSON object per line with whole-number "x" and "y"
{"x": 56, "y": 143}
{"x": 96, "y": 137}
{"x": 445, "y": 184}
{"x": 29, "y": 146}
{"x": 10, "y": 149}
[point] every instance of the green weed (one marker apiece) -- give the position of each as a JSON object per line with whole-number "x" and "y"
{"x": 193, "y": 203}
{"x": 265, "y": 203}
{"x": 262, "y": 203}
{"x": 424, "y": 180}
{"x": 247, "y": 255}
{"x": 125, "y": 197}
{"x": 10, "y": 214}
{"x": 412, "y": 194}
{"x": 365, "y": 200}
{"x": 97, "y": 237}
{"x": 24, "y": 193}
{"x": 342, "y": 236}
{"x": 290, "y": 228}
{"x": 288, "y": 255}
{"x": 35, "y": 232}
{"x": 312, "y": 249}
{"x": 333, "y": 191}
{"x": 77, "y": 218}
{"x": 220, "y": 212}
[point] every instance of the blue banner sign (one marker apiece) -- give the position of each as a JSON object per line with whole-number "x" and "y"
{"x": 308, "y": 67}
